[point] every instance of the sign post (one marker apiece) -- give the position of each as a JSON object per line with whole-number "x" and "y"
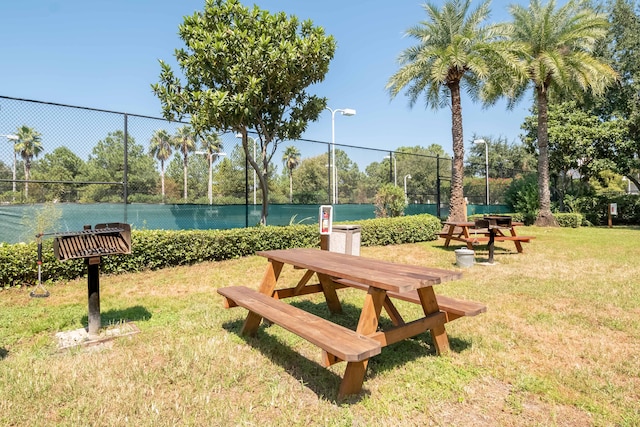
{"x": 613, "y": 210}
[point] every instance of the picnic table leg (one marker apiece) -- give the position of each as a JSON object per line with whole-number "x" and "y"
{"x": 517, "y": 242}
{"x": 449, "y": 235}
{"x": 368, "y": 324}
{"x": 267, "y": 286}
{"x": 330, "y": 294}
{"x": 430, "y": 306}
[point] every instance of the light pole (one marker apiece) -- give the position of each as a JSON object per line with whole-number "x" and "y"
{"x": 486, "y": 166}
{"x": 210, "y": 159}
{"x": 13, "y": 138}
{"x": 406, "y": 200}
{"x": 395, "y": 168}
{"x": 334, "y": 174}
{"x": 253, "y": 142}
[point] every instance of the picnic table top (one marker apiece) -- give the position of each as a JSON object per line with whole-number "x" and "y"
{"x": 372, "y": 272}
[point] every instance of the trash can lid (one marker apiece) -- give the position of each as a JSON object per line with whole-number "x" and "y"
{"x": 346, "y": 227}
{"x": 464, "y": 251}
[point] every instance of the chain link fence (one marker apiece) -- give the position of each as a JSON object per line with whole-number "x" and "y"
{"x": 63, "y": 166}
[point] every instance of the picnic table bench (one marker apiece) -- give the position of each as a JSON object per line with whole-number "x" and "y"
{"x": 383, "y": 281}
{"x": 466, "y": 232}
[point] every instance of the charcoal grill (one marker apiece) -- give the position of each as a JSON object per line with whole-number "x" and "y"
{"x": 92, "y": 245}
{"x": 493, "y": 224}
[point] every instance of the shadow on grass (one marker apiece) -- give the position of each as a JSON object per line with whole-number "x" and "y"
{"x": 131, "y": 314}
{"x": 321, "y": 380}
{"x": 3, "y": 353}
{"x": 312, "y": 375}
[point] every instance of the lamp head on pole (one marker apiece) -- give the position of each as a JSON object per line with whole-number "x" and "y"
{"x": 348, "y": 112}
{"x": 479, "y": 141}
{"x": 11, "y": 137}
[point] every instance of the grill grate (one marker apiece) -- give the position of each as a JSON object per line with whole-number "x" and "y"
{"x": 104, "y": 239}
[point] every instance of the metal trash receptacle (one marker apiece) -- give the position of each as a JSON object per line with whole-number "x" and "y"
{"x": 345, "y": 239}
{"x": 465, "y": 258}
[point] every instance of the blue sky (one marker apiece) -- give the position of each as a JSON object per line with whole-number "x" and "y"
{"x": 104, "y": 54}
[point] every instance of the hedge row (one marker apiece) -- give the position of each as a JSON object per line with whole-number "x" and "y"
{"x": 156, "y": 249}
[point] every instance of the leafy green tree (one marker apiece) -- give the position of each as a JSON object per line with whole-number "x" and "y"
{"x": 506, "y": 159}
{"x": 454, "y": 50}
{"x": 247, "y": 69}
{"x": 620, "y": 102}
{"x": 291, "y": 160}
{"x": 349, "y": 178}
{"x": 28, "y": 146}
{"x": 557, "y": 50}
{"x": 313, "y": 180}
{"x": 230, "y": 182}
{"x": 161, "y": 149}
{"x": 579, "y": 142}
{"x": 421, "y": 163}
{"x": 185, "y": 142}
{"x": 106, "y": 164}
{"x": 61, "y": 165}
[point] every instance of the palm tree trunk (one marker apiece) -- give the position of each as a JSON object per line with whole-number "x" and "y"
{"x": 545, "y": 218}
{"x": 162, "y": 179}
{"x": 456, "y": 202}
{"x": 185, "y": 178}
{"x": 27, "y": 170}
{"x": 290, "y": 186}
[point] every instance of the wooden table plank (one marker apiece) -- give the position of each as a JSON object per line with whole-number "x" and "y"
{"x": 372, "y": 272}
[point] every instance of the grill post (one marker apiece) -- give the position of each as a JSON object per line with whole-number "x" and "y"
{"x": 93, "y": 282}
{"x": 92, "y": 245}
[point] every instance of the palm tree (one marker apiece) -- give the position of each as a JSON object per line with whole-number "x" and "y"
{"x": 558, "y": 56}
{"x": 291, "y": 160}
{"x": 185, "y": 141}
{"x": 161, "y": 149}
{"x": 453, "y": 50}
{"x": 28, "y": 145}
{"x": 212, "y": 146}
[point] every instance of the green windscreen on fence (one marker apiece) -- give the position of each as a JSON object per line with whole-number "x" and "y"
{"x": 20, "y": 223}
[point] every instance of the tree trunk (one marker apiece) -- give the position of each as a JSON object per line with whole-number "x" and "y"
{"x": 162, "y": 179}
{"x": 27, "y": 170}
{"x": 456, "y": 201}
{"x": 290, "y": 186}
{"x": 185, "y": 178}
{"x": 265, "y": 197}
{"x": 545, "y": 218}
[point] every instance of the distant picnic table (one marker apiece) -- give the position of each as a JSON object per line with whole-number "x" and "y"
{"x": 383, "y": 283}
{"x": 469, "y": 234}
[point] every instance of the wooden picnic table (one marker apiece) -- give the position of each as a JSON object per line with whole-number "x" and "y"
{"x": 466, "y": 232}
{"x": 382, "y": 281}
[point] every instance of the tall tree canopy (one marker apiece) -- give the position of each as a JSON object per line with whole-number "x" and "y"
{"x": 454, "y": 50}
{"x": 247, "y": 69}
{"x": 28, "y": 146}
{"x": 621, "y": 102}
{"x": 160, "y": 148}
{"x": 557, "y": 52}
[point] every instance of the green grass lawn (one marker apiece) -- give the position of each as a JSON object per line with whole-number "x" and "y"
{"x": 559, "y": 345}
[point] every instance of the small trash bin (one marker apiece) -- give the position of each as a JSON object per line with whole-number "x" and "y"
{"x": 464, "y": 257}
{"x": 345, "y": 239}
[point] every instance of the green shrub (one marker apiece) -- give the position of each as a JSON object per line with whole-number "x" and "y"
{"x": 572, "y": 220}
{"x": 389, "y": 201}
{"x": 522, "y": 196}
{"x": 156, "y": 249}
{"x": 595, "y": 209}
